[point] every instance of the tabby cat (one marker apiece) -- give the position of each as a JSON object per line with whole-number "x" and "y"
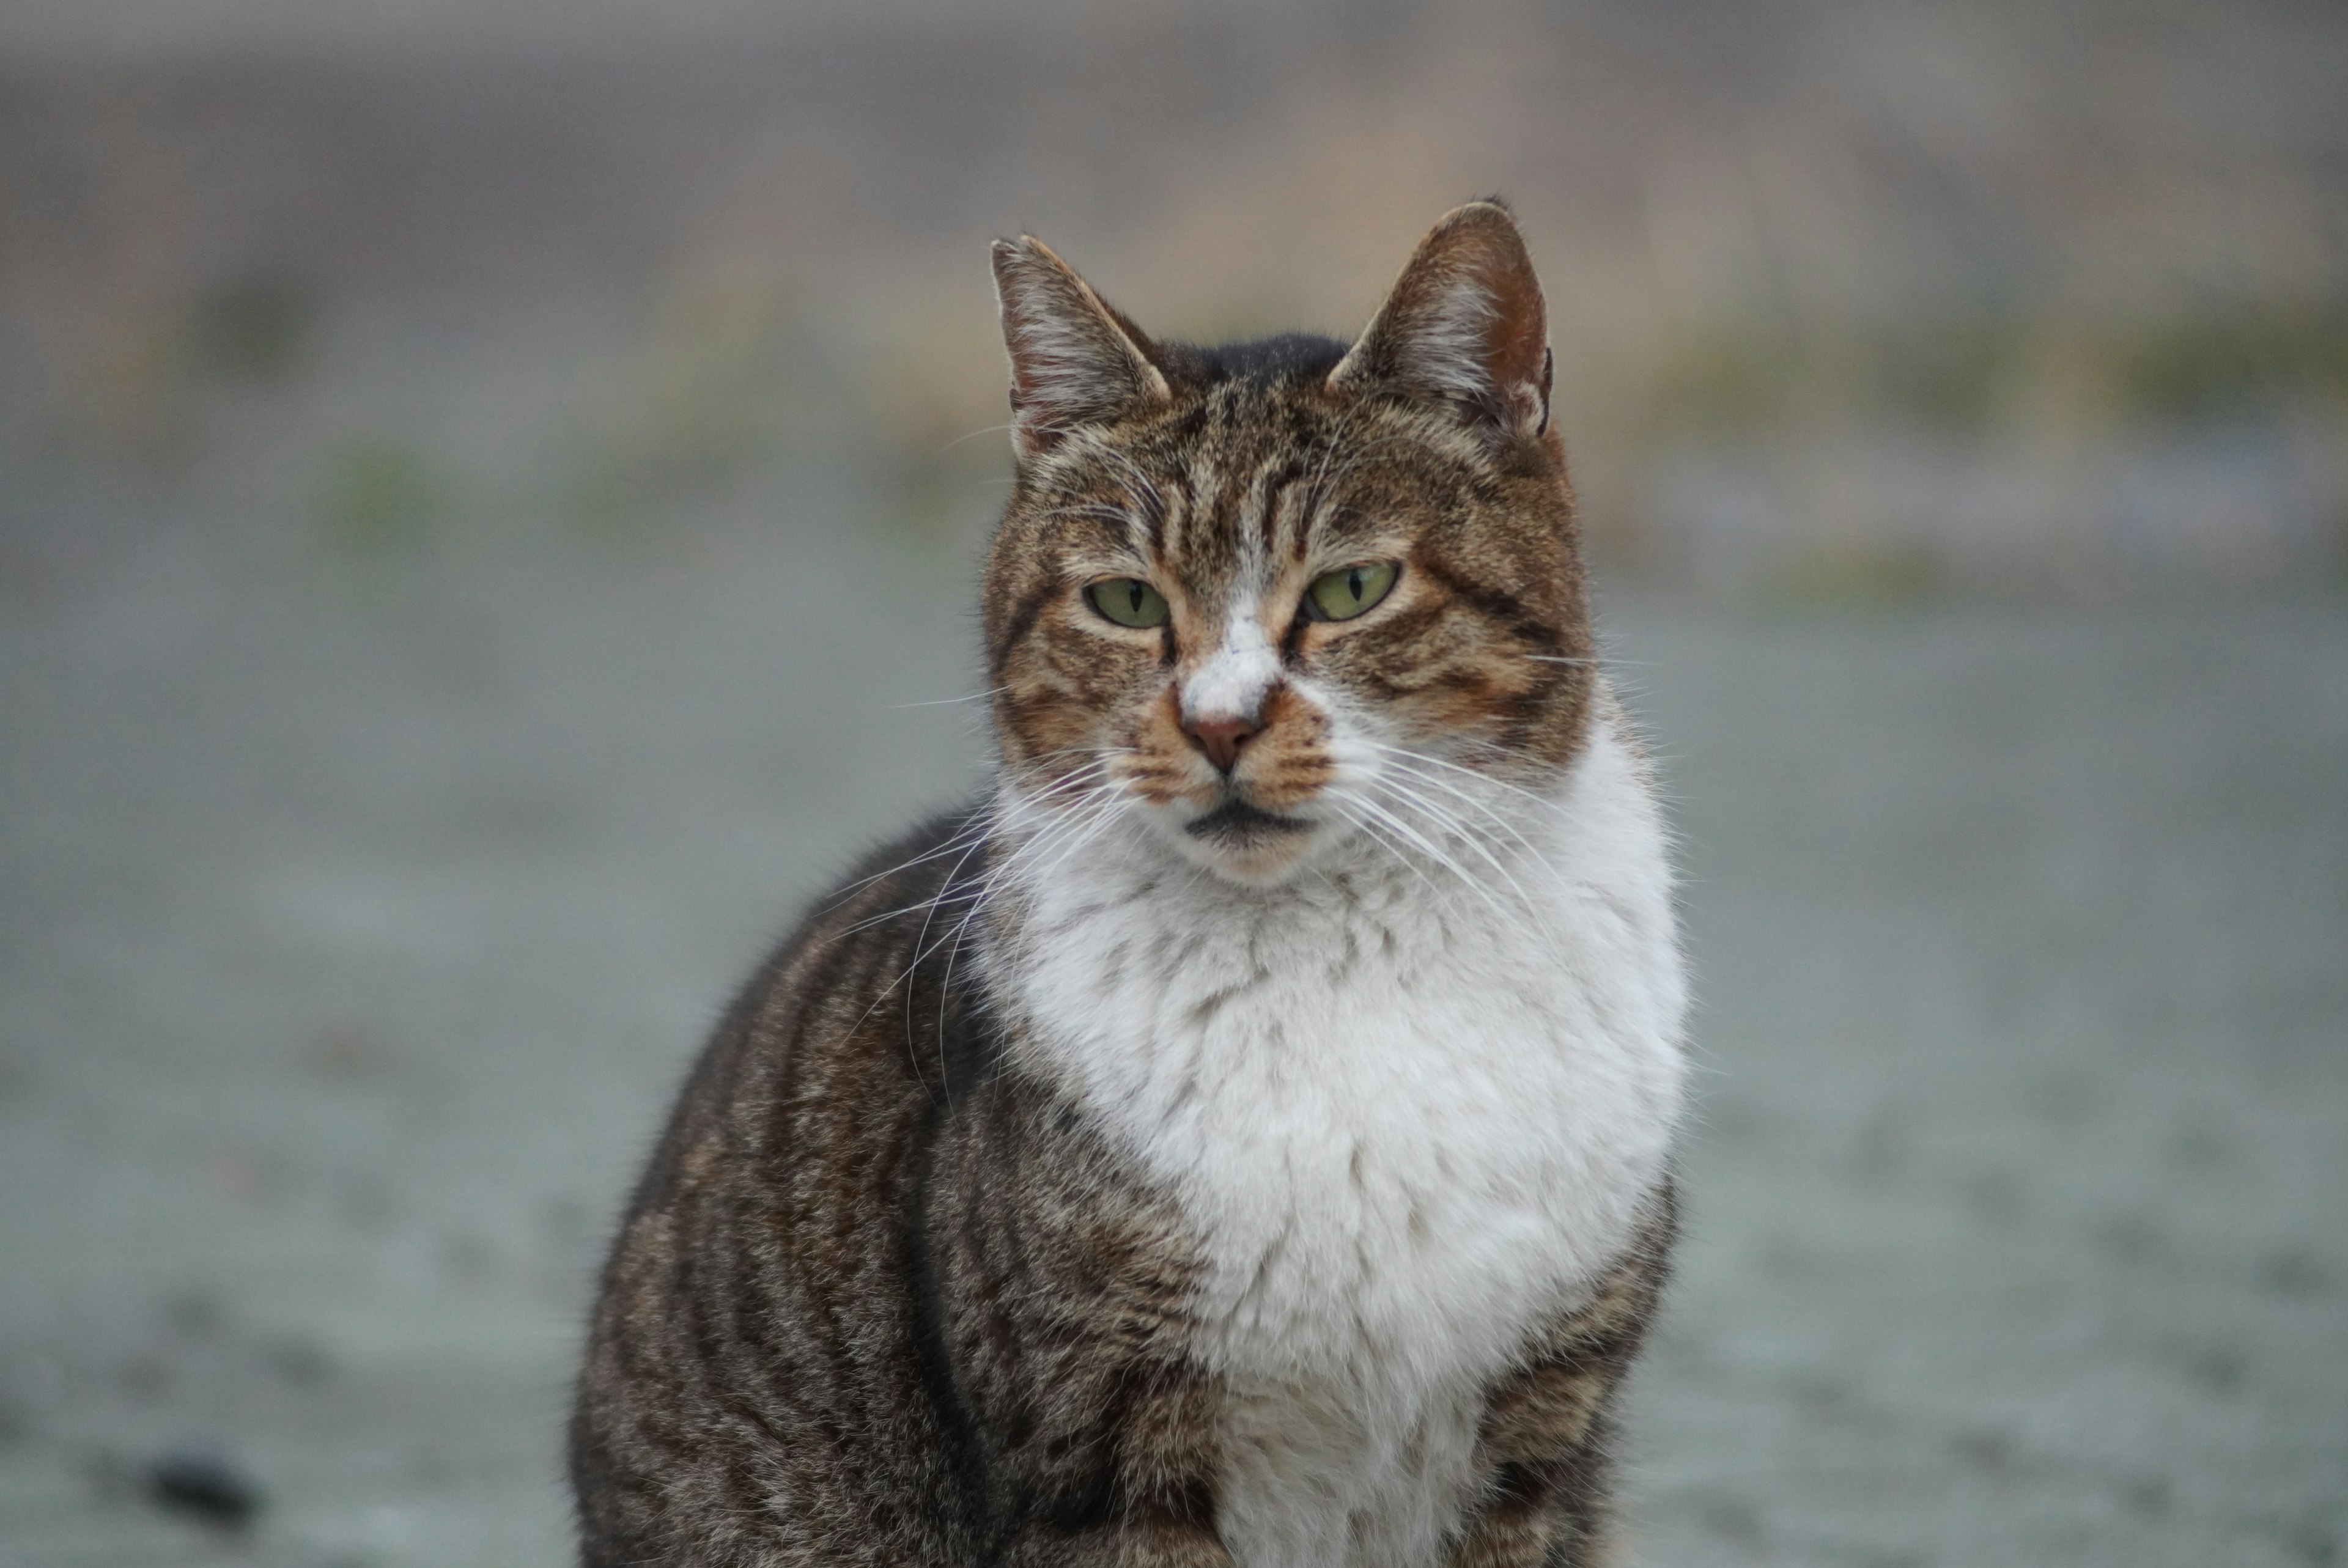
{"x": 1243, "y": 1137}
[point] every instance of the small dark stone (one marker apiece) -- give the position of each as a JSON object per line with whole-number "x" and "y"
{"x": 1730, "y": 1517}
{"x": 468, "y": 1259}
{"x": 2293, "y": 1271}
{"x": 146, "y": 1376}
{"x": 300, "y": 1362}
{"x": 196, "y": 1313}
{"x": 2219, "y": 1366}
{"x": 1821, "y": 1392}
{"x": 1986, "y": 1451}
{"x": 205, "y": 1483}
{"x": 2315, "y": 1544}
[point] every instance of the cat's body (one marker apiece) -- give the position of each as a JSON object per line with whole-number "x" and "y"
{"x": 1411, "y": 1124}
{"x": 1279, "y": 1180}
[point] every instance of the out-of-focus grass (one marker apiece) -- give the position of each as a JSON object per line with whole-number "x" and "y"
{"x": 380, "y": 507}
{"x": 254, "y": 331}
{"x": 2221, "y": 362}
{"x": 381, "y": 499}
{"x": 130, "y": 390}
{"x": 2243, "y": 358}
{"x": 725, "y": 375}
{"x": 1852, "y": 574}
{"x": 1942, "y": 303}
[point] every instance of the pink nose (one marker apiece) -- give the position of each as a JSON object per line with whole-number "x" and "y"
{"x": 1221, "y": 739}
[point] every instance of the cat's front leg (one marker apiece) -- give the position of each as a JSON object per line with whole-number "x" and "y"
{"x": 1062, "y": 1328}
{"x": 1552, "y": 1515}
{"x": 1135, "y": 1490}
{"x": 1545, "y": 1446}
{"x": 1148, "y": 1539}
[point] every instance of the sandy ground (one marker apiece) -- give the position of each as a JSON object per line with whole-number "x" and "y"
{"x": 357, "y": 925}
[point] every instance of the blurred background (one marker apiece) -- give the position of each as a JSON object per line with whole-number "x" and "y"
{"x": 489, "y": 497}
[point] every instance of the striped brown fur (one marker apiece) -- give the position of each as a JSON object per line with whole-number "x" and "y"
{"x": 885, "y": 1295}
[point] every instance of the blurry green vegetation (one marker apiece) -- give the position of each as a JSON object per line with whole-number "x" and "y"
{"x": 1968, "y": 372}
{"x": 736, "y": 373}
{"x": 1855, "y": 574}
{"x": 2022, "y": 289}
{"x": 624, "y": 483}
{"x": 1956, "y": 378}
{"x": 2219, "y": 363}
{"x": 254, "y": 331}
{"x": 130, "y": 390}
{"x": 380, "y": 500}
{"x": 728, "y": 377}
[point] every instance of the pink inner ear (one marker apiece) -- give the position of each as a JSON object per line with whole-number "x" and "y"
{"x": 1517, "y": 340}
{"x": 1465, "y": 323}
{"x": 1073, "y": 359}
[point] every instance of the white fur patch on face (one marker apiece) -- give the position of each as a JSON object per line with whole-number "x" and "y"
{"x": 1230, "y": 682}
{"x": 1410, "y": 1106}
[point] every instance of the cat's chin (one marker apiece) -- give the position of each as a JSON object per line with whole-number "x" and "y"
{"x": 1246, "y": 843}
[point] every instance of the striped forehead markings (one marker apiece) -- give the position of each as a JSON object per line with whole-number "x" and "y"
{"x": 1233, "y": 518}
{"x": 1237, "y": 487}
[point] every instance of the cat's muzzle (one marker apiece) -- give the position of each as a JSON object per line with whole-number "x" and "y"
{"x": 1236, "y": 825}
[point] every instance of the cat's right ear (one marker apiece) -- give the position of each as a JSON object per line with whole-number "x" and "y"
{"x": 1075, "y": 359}
{"x": 1464, "y": 330}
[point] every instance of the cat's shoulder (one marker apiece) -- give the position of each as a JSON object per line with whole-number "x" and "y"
{"x": 890, "y": 901}
{"x": 862, "y": 956}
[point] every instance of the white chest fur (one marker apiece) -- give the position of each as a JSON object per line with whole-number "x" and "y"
{"x": 1409, "y": 1116}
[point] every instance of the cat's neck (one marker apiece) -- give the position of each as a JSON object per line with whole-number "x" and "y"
{"x": 1085, "y": 917}
{"x": 1302, "y": 1059}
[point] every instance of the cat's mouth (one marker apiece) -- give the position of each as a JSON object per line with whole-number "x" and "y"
{"x": 1236, "y": 825}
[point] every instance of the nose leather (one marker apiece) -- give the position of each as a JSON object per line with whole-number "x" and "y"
{"x": 1221, "y": 739}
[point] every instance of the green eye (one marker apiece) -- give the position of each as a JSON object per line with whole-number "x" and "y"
{"x": 1346, "y": 592}
{"x": 1128, "y": 601}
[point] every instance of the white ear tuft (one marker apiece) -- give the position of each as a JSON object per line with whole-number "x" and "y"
{"x": 1073, "y": 359}
{"x": 1463, "y": 328}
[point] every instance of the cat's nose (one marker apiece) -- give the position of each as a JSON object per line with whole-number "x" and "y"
{"x": 1221, "y": 739}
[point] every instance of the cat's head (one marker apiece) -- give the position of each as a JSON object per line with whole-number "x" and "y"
{"x": 1276, "y": 595}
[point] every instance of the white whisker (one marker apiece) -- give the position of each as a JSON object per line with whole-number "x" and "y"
{"x": 1369, "y": 831}
{"x": 1472, "y": 835}
{"x": 1465, "y": 834}
{"x": 950, "y": 701}
{"x": 1503, "y": 754}
{"x": 1426, "y": 846}
{"x": 1404, "y": 762}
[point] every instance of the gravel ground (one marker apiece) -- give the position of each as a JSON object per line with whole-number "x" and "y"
{"x": 356, "y": 925}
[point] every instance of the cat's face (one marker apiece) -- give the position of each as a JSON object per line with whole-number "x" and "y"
{"x": 1274, "y": 599}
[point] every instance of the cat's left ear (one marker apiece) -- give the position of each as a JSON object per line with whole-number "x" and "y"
{"x": 1075, "y": 359}
{"x": 1463, "y": 328}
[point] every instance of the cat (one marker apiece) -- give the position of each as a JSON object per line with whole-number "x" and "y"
{"x": 1243, "y": 1137}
